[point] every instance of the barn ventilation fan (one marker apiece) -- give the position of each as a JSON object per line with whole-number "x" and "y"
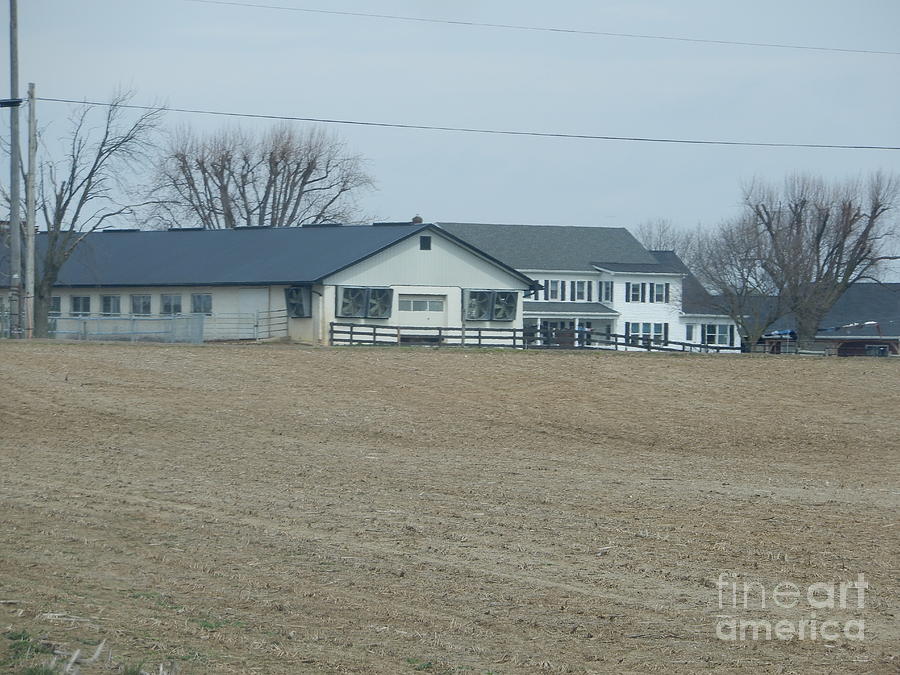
{"x": 358, "y": 303}
{"x": 504, "y": 306}
{"x": 380, "y": 303}
{"x": 491, "y": 305}
{"x": 479, "y": 305}
{"x": 297, "y": 302}
{"x": 353, "y": 302}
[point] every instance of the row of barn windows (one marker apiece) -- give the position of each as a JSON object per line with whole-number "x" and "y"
{"x": 357, "y": 302}
{"x": 583, "y": 291}
{"x": 140, "y": 304}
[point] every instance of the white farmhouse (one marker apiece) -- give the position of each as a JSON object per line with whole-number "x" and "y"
{"x": 600, "y": 281}
{"x": 309, "y": 278}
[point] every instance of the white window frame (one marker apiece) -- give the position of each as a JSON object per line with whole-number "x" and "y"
{"x": 206, "y": 300}
{"x": 79, "y": 300}
{"x": 659, "y": 333}
{"x": 607, "y": 289}
{"x": 718, "y": 332}
{"x": 142, "y": 296}
{"x": 421, "y": 303}
{"x": 553, "y": 293}
{"x": 642, "y": 332}
{"x": 580, "y": 291}
{"x": 170, "y": 299}
{"x": 108, "y": 299}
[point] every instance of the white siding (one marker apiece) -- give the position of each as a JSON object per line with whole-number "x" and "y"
{"x": 649, "y": 312}
{"x": 446, "y": 264}
{"x": 226, "y": 299}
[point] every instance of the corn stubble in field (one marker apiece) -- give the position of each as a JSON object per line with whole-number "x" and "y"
{"x": 274, "y": 509}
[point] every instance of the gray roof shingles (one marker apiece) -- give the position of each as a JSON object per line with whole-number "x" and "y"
{"x": 553, "y": 247}
{"x": 194, "y": 257}
{"x": 569, "y": 308}
{"x": 861, "y": 303}
{"x": 215, "y": 257}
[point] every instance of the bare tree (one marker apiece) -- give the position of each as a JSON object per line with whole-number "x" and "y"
{"x": 822, "y": 238}
{"x": 732, "y": 262}
{"x": 662, "y": 235}
{"x": 283, "y": 178}
{"x": 78, "y": 194}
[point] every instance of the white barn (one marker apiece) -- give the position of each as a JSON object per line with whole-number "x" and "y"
{"x": 303, "y": 280}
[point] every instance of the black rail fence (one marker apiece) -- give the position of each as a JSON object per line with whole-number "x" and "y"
{"x": 343, "y": 334}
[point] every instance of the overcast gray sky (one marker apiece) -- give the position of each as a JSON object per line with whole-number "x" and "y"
{"x": 243, "y": 59}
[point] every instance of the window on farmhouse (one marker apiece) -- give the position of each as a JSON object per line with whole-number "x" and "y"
{"x": 658, "y": 292}
{"x": 170, "y": 304}
{"x": 140, "y": 304}
{"x": 554, "y": 289}
{"x": 658, "y": 332}
{"x": 80, "y": 305}
{"x": 580, "y": 290}
{"x": 201, "y": 303}
{"x": 55, "y": 306}
{"x": 643, "y": 333}
{"x": 607, "y": 291}
{"x": 633, "y": 292}
{"x": 718, "y": 334}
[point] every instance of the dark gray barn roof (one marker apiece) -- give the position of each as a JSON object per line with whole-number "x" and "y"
{"x": 552, "y": 247}
{"x": 861, "y": 303}
{"x": 229, "y": 257}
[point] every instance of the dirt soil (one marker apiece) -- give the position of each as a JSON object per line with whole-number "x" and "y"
{"x": 280, "y": 509}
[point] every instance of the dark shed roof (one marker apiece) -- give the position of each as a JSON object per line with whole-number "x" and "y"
{"x": 193, "y": 257}
{"x": 553, "y": 247}
{"x": 860, "y": 304}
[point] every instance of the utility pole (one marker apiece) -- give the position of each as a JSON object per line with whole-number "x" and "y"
{"x": 15, "y": 224}
{"x": 30, "y": 220}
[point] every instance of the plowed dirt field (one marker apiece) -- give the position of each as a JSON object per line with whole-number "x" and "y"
{"x": 279, "y": 509}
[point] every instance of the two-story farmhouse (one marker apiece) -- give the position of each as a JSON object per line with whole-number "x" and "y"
{"x": 602, "y": 280}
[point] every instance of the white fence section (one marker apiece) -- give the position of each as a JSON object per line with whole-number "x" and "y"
{"x": 262, "y": 325}
{"x": 191, "y": 328}
{"x": 524, "y": 338}
{"x": 187, "y": 328}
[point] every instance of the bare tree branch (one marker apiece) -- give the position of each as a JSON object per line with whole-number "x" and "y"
{"x": 285, "y": 178}
{"x": 80, "y": 192}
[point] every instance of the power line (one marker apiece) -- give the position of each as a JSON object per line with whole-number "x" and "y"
{"x": 545, "y": 29}
{"x": 470, "y": 130}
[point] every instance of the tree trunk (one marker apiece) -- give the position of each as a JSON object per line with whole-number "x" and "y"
{"x": 807, "y": 327}
{"x": 43, "y": 291}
